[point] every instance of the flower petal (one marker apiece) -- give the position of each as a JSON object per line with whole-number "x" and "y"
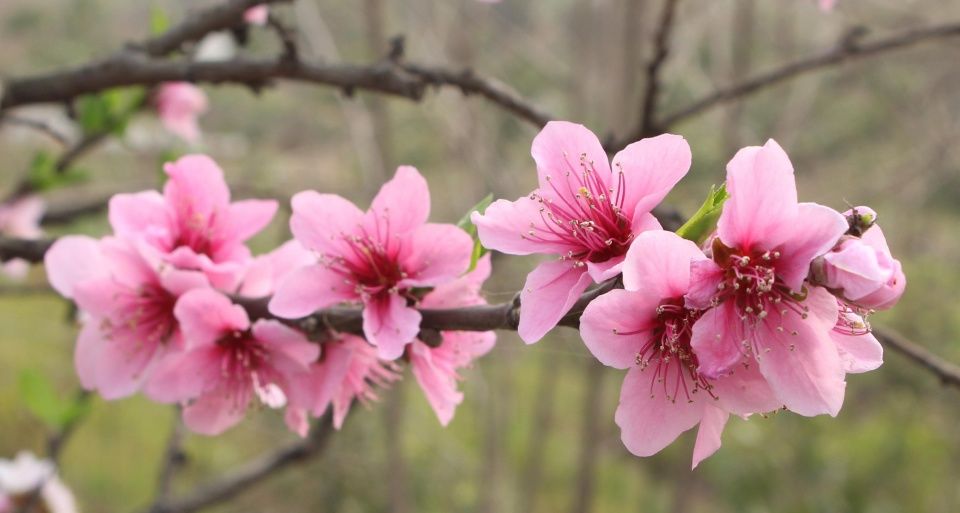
{"x": 390, "y": 324}
{"x": 705, "y": 277}
{"x": 321, "y": 221}
{"x": 73, "y": 259}
{"x": 463, "y": 291}
{"x": 402, "y": 204}
{"x": 650, "y": 421}
{"x": 659, "y": 262}
{"x": 518, "y": 228}
{"x": 247, "y": 218}
{"x": 205, "y": 316}
{"x": 143, "y": 215}
{"x": 819, "y": 230}
{"x": 561, "y": 150}
{"x": 185, "y": 375}
{"x": 744, "y": 391}
{"x": 762, "y": 209}
{"x": 438, "y": 382}
{"x": 650, "y": 167}
{"x": 708, "y": 435}
{"x": 616, "y": 325}
{"x": 196, "y": 187}
{"x": 308, "y": 289}
{"x": 548, "y": 294}
{"x": 433, "y": 254}
{"x": 215, "y": 412}
{"x": 278, "y": 337}
{"x": 718, "y": 340}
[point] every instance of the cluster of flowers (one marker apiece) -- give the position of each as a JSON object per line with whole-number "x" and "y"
{"x": 157, "y": 313}
{"x": 768, "y": 313}
{"x": 26, "y": 480}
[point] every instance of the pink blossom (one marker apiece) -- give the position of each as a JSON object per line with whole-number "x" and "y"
{"x": 128, "y": 301}
{"x": 228, "y": 362}
{"x": 647, "y": 329}
{"x": 862, "y": 271}
{"x": 762, "y": 310}
{"x": 257, "y": 15}
{"x": 23, "y": 475}
{"x": 179, "y": 104}
{"x": 859, "y": 350}
{"x": 21, "y": 218}
{"x": 265, "y": 273}
{"x": 436, "y": 368}
{"x": 827, "y": 5}
{"x": 349, "y": 370}
{"x": 375, "y": 257}
{"x": 582, "y": 212}
{"x": 193, "y": 224}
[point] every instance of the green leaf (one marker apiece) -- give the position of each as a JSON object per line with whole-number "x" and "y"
{"x": 93, "y": 112}
{"x": 703, "y": 222}
{"x": 47, "y": 404}
{"x": 43, "y": 171}
{"x": 109, "y": 111}
{"x": 467, "y": 225}
{"x": 159, "y": 21}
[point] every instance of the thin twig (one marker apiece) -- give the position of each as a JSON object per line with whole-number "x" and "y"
{"x": 948, "y": 373}
{"x": 250, "y": 474}
{"x": 38, "y": 125}
{"x": 172, "y": 458}
{"x": 661, "y": 49}
{"x": 848, "y": 49}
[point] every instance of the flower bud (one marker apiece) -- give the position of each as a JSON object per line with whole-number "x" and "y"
{"x": 861, "y": 269}
{"x": 860, "y": 220}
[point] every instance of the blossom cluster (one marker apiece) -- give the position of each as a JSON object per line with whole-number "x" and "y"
{"x": 157, "y": 299}
{"x": 26, "y": 480}
{"x": 768, "y": 313}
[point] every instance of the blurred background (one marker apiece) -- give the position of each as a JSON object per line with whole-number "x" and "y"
{"x": 535, "y": 432}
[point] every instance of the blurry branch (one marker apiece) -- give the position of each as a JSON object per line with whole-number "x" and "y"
{"x": 948, "y": 373}
{"x": 651, "y": 92}
{"x": 26, "y": 249}
{"x": 246, "y": 476}
{"x": 37, "y": 125}
{"x": 172, "y": 458}
{"x": 849, "y": 48}
{"x": 63, "y": 213}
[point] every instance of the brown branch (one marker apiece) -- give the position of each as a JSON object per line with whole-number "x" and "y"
{"x": 948, "y": 373}
{"x": 38, "y": 125}
{"x": 172, "y": 458}
{"x": 849, "y": 49}
{"x": 26, "y": 249}
{"x": 661, "y": 49}
{"x": 252, "y": 473}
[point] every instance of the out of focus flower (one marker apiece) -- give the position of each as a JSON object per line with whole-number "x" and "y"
{"x": 228, "y": 363}
{"x": 437, "y": 368}
{"x": 647, "y": 329}
{"x": 128, "y": 302}
{"x": 193, "y": 224}
{"x": 215, "y": 47}
{"x": 376, "y": 258}
{"x": 257, "y": 15}
{"x": 583, "y": 212}
{"x": 760, "y": 311}
{"x": 827, "y": 5}
{"x": 21, "y": 218}
{"x": 23, "y": 476}
{"x": 179, "y": 104}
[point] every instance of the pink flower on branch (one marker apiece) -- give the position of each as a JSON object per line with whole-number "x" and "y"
{"x": 437, "y": 368}
{"x": 583, "y": 212}
{"x": 128, "y": 303}
{"x": 760, "y": 308}
{"x": 376, "y": 258}
{"x": 647, "y": 329}
{"x": 21, "y": 218}
{"x": 257, "y": 15}
{"x": 179, "y": 104}
{"x": 228, "y": 363}
{"x": 193, "y": 224}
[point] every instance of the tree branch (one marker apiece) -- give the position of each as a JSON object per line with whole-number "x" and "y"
{"x": 948, "y": 373}
{"x": 256, "y": 471}
{"x": 661, "y": 49}
{"x": 848, "y": 49}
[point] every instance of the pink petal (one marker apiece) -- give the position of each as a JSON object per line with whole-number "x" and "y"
{"x": 321, "y": 221}
{"x": 278, "y": 337}
{"x": 309, "y": 289}
{"x": 463, "y": 291}
{"x": 705, "y": 277}
{"x": 196, "y": 187}
{"x": 644, "y": 221}
{"x": 659, "y": 262}
{"x": 517, "y": 228}
{"x": 143, "y": 215}
{"x": 247, "y": 218}
{"x": 804, "y": 370}
{"x": 650, "y": 167}
{"x": 205, "y": 316}
{"x": 100, "y": 297}
{"x": 439, "y": 384}
{"x": 858, "y": 353}
{"x": 214, "y": 413}
{"x": 266, "y": 272}
{"x": 718, "y": 340}
{"x": 179, "y": 282}
{"x": 762, "y": 209}
{"x": 616, "y": 325}
{"x": 122, "y": 367}
{"x": 328, "y": 376}
{"x": 186, "y": 375}
{"x": 126, "y": 262}
{"x": 297, "y": 421}
{"x": 888, "y": 295}
{"x": 548, "y": 294}
{"x": 86, "y": 354}
{"x": 71, "y": 260}
{"x": 390, "y": 324}
{"x": 819, "y": 228}
{"x": 402, "y": 204}
{"x": 708, "y": 435}
{"x": 649, "y": 421}
{"x": 257, "y": 15}
{"x": 745, "y": 391}
{"x": 561, "y": 149}
{"x": 433, "y": 254}
{"x": 603, "y": 271}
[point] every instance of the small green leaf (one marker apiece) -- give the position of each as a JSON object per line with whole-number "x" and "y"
{"x": 467, "y": 225}
{"x": 159, "y": 21}
{"x": 703, "y": 222}
{"x": 47, "y": 404}
{"x": 43, "y": 172}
